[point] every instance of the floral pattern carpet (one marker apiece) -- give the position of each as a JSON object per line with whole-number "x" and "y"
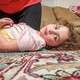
{"x": 41, "y": 65}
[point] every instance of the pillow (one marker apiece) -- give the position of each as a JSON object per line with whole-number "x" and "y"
{"x": 48, "y": 16}
{"x": 65, "y": 14}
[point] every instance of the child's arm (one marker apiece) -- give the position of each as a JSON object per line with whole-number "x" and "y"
{"x": 5, "y": 21}
{"x": 8, "y": 46}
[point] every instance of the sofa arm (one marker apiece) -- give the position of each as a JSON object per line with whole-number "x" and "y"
{"x": 48, "y": 16}
{"x": 66, "y": 14}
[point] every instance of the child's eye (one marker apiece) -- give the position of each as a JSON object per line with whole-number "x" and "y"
{"x": 56, "y": 27}
{"x": 55, "y": 37}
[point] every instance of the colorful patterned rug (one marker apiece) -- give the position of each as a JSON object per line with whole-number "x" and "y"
{"x": 42, "y": 65}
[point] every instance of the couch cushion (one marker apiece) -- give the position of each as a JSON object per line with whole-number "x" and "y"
{"x": 64, "y": 13}
{"x": 48, "y": 16}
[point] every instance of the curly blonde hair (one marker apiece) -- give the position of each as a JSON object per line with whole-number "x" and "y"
{"x": 72, "y": 43}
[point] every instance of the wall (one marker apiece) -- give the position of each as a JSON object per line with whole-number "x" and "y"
{"x": 62, "y": 3}
{"x": 66, "y": 3}
{"x": 48, "y": 2}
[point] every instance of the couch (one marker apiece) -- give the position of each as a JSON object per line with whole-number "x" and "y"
{"x": 53, "y": 14}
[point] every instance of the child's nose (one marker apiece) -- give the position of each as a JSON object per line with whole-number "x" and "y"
{"x": 53, "y": 31}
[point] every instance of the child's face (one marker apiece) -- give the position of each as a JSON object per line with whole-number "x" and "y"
{"x": 54, "y": 34}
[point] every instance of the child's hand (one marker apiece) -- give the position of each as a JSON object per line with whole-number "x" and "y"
{"x": 5, "y": 21}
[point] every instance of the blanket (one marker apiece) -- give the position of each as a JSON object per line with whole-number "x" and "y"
{"x": 40, "y": 65}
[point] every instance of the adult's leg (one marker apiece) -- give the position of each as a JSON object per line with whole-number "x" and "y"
{"x": 11, "y": 16}
{"x": 32, "y": 16}
{"x": 3, "y": 15}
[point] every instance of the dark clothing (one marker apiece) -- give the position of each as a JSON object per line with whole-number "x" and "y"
{"x": 30, "y": 15}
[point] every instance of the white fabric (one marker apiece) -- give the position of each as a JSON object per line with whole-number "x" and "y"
{"x": 27, "y": 38}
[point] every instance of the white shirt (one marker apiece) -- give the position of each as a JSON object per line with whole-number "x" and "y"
{"x": 27, "y": 38}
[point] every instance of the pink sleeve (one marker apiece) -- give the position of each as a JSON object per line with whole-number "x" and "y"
{"x": 30, "y": 40}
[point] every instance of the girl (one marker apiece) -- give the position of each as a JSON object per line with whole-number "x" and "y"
{"x": 20, "y": 37}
